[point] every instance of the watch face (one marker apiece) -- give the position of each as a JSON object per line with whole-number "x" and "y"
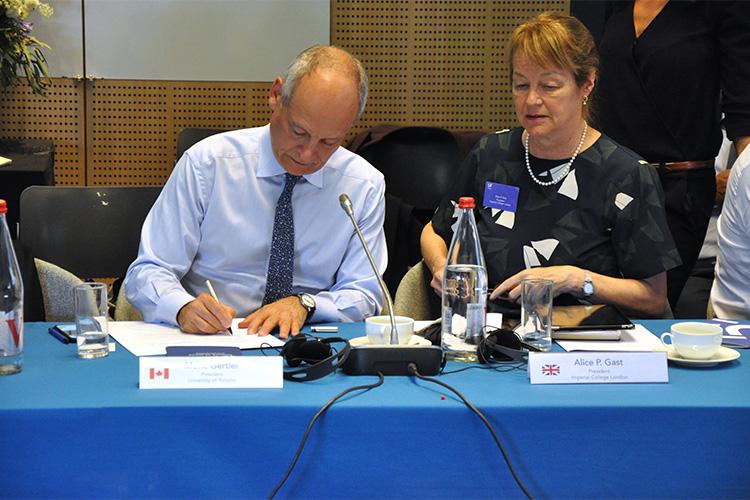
{"x": 307, "y": 301}
{"x": 588, "y": 288}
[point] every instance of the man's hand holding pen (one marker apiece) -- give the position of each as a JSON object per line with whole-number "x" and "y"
{"x": 205, "y": 315}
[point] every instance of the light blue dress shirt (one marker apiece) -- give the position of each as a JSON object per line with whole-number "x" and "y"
{"x": 730, "y": 294}
{"x": 214, "y": 220}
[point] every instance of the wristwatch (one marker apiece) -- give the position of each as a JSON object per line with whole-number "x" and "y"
{"x": 308, "y": 302}
{"x": 588, "y": 285}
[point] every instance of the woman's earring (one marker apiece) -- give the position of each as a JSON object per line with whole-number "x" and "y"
{"x": 585, "y": 100}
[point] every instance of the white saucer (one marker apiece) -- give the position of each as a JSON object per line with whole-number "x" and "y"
{"x": 723, "y": 355}
{"x": 414, "y": 340}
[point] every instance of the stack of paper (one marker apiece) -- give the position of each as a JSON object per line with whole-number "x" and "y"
{"x": 148, "y": 339}
{"x": 635, "y": 339}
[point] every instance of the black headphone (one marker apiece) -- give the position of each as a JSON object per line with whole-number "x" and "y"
{"x": 499, "y": 345}
{"x": 503, "y": 345}
{"x": 310, "y": 358}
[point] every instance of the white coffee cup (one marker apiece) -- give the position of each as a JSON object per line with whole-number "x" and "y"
{"x": 694, "y": 340}
{"x": 378, "y": 329}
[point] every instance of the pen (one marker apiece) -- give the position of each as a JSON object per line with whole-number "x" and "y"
{"x": 324, "y": 329}
{"x": 55, "y": 332}
{"x": 213, "y": 294}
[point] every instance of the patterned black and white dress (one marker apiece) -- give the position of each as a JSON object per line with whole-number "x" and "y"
{"x": 606, "y": 215}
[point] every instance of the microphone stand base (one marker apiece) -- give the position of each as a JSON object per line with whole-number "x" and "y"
{"x": 368, "y": 360}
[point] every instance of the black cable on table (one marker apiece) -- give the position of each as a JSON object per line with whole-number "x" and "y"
{"x": 414, "y": 371}
{"x": 496, "y": 366}
{"x": 322, "y": 410}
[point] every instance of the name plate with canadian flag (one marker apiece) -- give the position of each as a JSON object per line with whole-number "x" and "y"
{"x": 598, "y": 367}
{"x": 211, "y": 372}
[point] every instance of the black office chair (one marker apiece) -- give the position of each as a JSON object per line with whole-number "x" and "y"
{"x": 189, "y": 136}
{"x": 87, "y": 232}
{"x": 33, "y": 300}
{"x": 402, "y": 232}
{"x": 419, "y": 164}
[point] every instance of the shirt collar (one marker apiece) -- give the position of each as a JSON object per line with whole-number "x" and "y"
{"x": 268, "y": 165}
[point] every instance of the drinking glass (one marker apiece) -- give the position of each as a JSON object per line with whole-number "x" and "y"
{"x": 92, "y": 330}
{"x": 536, "y": 313}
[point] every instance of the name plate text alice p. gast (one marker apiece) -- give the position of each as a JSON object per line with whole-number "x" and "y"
{"x": 598, "y": 367}
{"x": 211, "y": 372}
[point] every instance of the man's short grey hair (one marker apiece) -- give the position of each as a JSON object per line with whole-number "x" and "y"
{"x": 324, "y": 57}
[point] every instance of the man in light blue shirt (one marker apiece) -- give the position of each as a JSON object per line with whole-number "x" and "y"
{"x": 730, "y": 293}
{"x": 214, "y": 220}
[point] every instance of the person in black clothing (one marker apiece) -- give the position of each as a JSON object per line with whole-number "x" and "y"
{"x": 668, "y": 71}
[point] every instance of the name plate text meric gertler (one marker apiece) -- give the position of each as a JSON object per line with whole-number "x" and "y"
{"x": 598, "y": 367}
{"x": 211, "y": 372}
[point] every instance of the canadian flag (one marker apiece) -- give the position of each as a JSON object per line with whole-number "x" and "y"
{"x": 153, "y": 373}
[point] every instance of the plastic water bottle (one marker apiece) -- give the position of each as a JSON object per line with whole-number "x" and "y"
{"x": 464, "y": 289}
{"x": 11, "y": 302}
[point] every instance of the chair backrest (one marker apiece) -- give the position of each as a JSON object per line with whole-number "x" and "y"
{"x": 124, "y": 310}
{"x": 402, "y": 233}
{"x": 189, "y": 136}
{"x": 415, "y": 298}
{"x": 92, "y": 232}
{"x": 419, "y": 164}
{"x": 57, "y": 286}
{"x": 33, "y": 295}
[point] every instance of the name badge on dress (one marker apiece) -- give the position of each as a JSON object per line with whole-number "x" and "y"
{"x": 500, "y": 196}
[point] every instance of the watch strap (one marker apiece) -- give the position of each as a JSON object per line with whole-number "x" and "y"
{"x": 308, "y": 302}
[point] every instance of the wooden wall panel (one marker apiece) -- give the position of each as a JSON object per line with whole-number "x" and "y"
{"x": 434, "y": 62}
{"x": 57, "y": 117}
{"x": 133, "y": 125}
{"x": 430, "y": 62}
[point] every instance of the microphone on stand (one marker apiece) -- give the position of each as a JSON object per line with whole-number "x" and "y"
{"x": 346, "y": 204}
{"x": 393, "y": 359}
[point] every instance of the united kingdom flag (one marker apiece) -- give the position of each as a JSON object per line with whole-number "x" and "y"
{"x": 553, "y": 370}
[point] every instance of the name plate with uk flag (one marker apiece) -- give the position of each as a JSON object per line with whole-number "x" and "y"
{"x": 211, "y": 372}
{"x": 598, "y": 367}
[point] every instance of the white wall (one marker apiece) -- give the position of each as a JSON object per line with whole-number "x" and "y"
{"x": 214, "y": 40}
{"x": 62, "y": 32}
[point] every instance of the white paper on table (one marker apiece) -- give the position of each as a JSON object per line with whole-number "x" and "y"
{"x": 494, "y": 320}
{"x": 421, "y": 324}
{"x": 151, "y": 339}
{"x": 635, "y": 339}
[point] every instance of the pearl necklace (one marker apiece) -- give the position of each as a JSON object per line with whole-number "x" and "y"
{"x": 567, "y": 167}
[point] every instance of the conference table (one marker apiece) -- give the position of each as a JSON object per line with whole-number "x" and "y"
{"x": 82, "y": 428}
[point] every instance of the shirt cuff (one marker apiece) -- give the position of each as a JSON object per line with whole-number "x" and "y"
{"x": 325, "y": 310}
{"x": 170, "y": 304}
{"x": 356, "y": 307}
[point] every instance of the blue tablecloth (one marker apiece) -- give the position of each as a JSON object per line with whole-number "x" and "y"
{"x": 82, "y": 428}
